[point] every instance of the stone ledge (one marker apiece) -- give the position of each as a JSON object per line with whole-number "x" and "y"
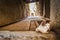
{"x": 25, "y": 35}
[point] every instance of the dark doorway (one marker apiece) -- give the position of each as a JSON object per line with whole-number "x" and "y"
{"x": 46, "y": 8}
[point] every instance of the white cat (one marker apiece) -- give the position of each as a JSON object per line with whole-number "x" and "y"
{"x": 43, "y": 27}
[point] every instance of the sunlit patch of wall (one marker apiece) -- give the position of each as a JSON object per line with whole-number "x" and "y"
{"x": 32, "y": 7}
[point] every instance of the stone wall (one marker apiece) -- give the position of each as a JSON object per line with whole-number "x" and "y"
{"x": 55, "y": 15}
{"x": 25, "y": 35}
{"x": 55, "y": 12}
{"x": 10, "y": 11}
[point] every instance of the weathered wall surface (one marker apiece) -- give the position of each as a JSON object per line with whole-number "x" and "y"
{"x": 9, "y": 11}
{"x": 55, "y": 15}
{"x": 55, "y": 12}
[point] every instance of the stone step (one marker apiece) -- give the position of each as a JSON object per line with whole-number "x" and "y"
{"x": 25, "y": 35}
